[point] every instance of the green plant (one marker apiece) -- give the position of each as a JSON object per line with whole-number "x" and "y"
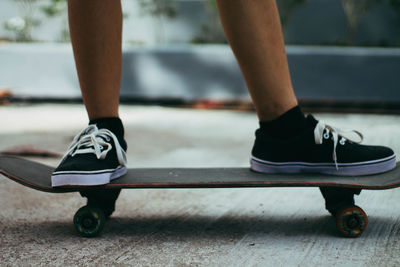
{"x": 286, "y": 9}
{"x": 211, "y": 31}
{"x": 160, "y": 10}
{"x": 355, "y": 10}
{"x": 23, "y": 25}
{"x": 58, "y": 8}
{"x": 395, "y": 4}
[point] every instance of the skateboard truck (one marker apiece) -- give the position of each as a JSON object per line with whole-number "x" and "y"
{"x": 89, "y": 220}
{"x": 351, "y": 220}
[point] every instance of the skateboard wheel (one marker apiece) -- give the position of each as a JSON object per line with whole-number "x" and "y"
{"x": 351, "y": 221}
{"x": 89, "y": 221}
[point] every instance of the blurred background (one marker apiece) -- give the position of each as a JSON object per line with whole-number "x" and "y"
{"x": 344, "y": 54}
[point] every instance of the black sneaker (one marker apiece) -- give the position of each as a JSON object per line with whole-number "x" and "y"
{"x": 320, "y": 148}
{"x": 95, "y": 157}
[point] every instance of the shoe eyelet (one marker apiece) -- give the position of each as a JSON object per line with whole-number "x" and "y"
{"x": 101, "y": 147}
{"x": 342, "y": 142}
{"x": 326, "y": 135}
{"x": 108, "y": 139}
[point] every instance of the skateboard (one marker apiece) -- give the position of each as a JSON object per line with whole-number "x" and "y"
{"x": 89, "y": 220}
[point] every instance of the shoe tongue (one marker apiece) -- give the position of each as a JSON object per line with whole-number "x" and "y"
{"x": 112, "y": 124}
{"x": 118, "y": 130}
{"x": 89, "y": 130}
{"x": 102, "y": 125}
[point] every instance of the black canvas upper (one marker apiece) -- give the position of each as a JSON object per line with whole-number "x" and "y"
{"x": 89, "y": 161}
{"x": 114, "y": 124}
{"x": 302, "y": 148}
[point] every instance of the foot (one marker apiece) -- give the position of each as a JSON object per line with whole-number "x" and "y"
{"x": 319, "y": 148}
{"x": 95, "y": 157}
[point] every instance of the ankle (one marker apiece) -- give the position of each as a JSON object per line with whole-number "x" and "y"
{"x": 285, "y": 126}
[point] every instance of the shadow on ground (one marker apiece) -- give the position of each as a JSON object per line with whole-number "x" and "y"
{"x": 207, "y": 227}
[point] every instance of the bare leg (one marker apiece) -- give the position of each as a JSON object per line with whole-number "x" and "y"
{"x": 96, "y": 30}
{"x": 254, "y": 32}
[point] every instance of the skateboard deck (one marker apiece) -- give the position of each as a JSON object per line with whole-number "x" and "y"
{"x": 89, "y": 220}
{"x": 37, "y": 176}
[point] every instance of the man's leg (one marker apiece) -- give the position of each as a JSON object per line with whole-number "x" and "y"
{"x": 286, "y": 140}
{"x": 97, "y": 154}
{"x": 254, "y": 32}
{"x": 96, "y": 32}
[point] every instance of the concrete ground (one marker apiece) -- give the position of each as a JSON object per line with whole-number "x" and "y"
{"x": 188, "y": 227}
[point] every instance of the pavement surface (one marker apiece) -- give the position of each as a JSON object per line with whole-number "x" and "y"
{"x": 188, "y": 227}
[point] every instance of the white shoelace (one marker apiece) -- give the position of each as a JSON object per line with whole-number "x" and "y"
{"x": 92, "y": 140}
{"x": 322, "y": 131}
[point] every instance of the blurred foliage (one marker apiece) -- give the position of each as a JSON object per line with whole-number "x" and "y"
{"x": 160, "y": 10}
{"x": 395, "y": 4}
{"x": 210, "y": 31}
{"x": 287, "y": 8}
{"x": 23, "y": 25}
{"x": 355, "y": 10}
{"x": 56, "y": 8}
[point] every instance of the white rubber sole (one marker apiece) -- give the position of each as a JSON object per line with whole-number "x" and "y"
{"x": 345, "y": 169}
{"x": 86, "y": 178}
